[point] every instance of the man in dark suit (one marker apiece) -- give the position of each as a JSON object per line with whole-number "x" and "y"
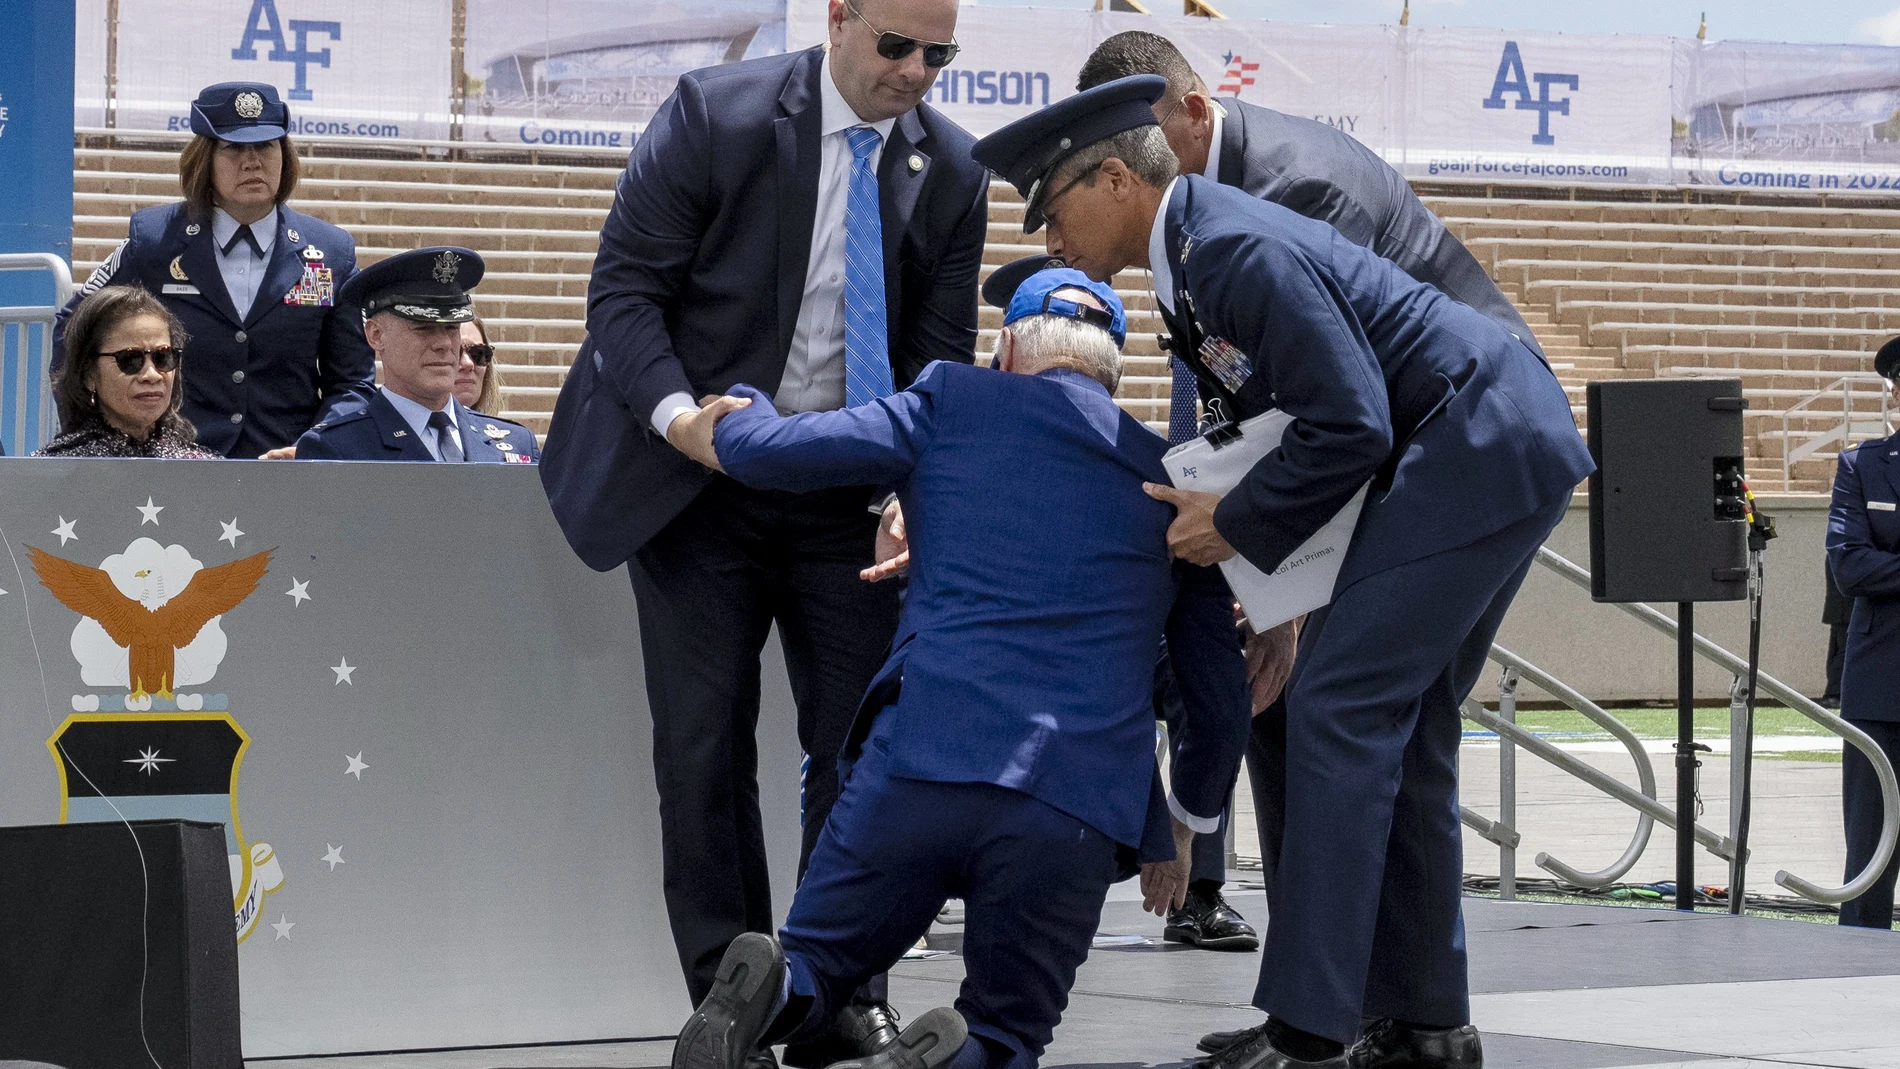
{"x": 1005, "y": 753}
{"x": 805, "y": 224}
{"x": 1467, "y": 441}
{"x": 1863, "y": 553}
{"x": 1325, "y": 174}
{"x": 414, "y": 305}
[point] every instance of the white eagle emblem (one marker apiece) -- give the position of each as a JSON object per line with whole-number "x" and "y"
{"x": 446, "y": 266}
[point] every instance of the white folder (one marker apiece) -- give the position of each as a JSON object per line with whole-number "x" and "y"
{"x": 1305, "y": 580}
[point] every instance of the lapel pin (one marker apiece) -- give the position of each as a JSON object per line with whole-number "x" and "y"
{"x": 311, "y": 252}
{"x": 191, "y": 231}
{"x": 493, "y": 431}
{"x": 504, "y": 447}
{"x": 916, "y": 164}
{"x": 293, "y": 235}
{"x": 178, "y": 268}
{"x": 400, "y": 434}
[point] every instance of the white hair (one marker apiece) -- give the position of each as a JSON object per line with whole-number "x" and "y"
{"x": 1040, "y": 342}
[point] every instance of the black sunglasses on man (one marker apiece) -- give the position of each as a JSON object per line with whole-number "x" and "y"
{"x": 895, "y": 46}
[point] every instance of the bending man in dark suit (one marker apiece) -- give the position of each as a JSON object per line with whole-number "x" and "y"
{"x": 1005, "y": 752}
{"x": 1324, "y": 174}
{"x": 805, "y": 224}
{"x": 1863, "y": 555}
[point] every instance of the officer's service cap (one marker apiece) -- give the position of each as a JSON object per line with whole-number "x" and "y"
{"x": 424, "y": 285}
{"x": 1002, "y": 283}
{"x": 1026, "y": 152}
{"x": 1039, "y": 295}
{"x": 1887, "y": 361}
{"x": 242, "y": 113}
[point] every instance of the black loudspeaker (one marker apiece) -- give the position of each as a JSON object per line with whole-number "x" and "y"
{"x": 81, "y": 921}
{"x": 1668, "y": 521}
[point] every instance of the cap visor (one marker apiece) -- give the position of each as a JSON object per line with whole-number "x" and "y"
{"x": 415, "y": 314}
{"x": 251, "y": 135}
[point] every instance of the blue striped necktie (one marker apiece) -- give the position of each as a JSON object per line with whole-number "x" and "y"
{"x": 1182, "y": 423}
{"x": 867, "y": 359}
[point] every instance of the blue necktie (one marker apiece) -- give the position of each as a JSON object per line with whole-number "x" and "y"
{"x": 867, "y": 360}
{"x": 1182, "y": 423}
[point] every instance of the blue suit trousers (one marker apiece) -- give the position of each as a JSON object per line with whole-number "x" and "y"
{"x": 1861, "y": 814}
{"x": 1365, "y": 911}
{"x": 1031, "y": 877}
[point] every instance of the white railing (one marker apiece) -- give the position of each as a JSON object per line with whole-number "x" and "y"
{"x": 26, "y": 349}
{"x": 1851, "y": 388}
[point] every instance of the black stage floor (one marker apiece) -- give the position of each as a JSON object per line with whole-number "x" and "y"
{"x": 1553, "y": 986}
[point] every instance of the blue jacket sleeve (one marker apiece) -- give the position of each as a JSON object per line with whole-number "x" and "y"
{"x": 646, "y": 247}
{"x": 874, "y": 444}
{"x": 346, "y": 365}
{"x": 1860, "y": 569}
{"x": 1272, "y": 301}
{"x": 1210, "y": 672}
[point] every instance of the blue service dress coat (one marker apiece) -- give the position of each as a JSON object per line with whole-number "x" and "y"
{"x": 1025, "y": 654}
{"x": 1460, "y": 427}
{"x": 255, "y": 382}
{"x": 1326, "y": 174}
{"x": 374, "y": 430}
{"x": 701, "y": 272}
{"x": 1863, "y": 553}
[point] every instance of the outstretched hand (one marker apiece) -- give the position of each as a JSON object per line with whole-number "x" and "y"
{"x": 893, "y": 546}
{"x": 692, "y": 433}
{"x": 1192, "y": 537}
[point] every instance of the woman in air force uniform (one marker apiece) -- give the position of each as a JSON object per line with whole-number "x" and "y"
{"x": 254, "y": 282}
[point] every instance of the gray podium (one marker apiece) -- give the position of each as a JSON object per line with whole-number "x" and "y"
{"x": 440, "y": 812}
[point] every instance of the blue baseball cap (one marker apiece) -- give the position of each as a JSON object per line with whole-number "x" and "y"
{"x": 1036, "y": 295}
{"x": 243, "y": 113}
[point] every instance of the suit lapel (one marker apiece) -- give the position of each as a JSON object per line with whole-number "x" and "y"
{"x": 398, "y": 437}
{"x": 285, "y": 270}
{"x": 797, "y": 132}
{"x": 899, "y": 187}
{"x": 477, "y": 446}
{"x": 1889, "y": 465}
{"x": 200, "y": 261}
{"x": 1233, "y": 145}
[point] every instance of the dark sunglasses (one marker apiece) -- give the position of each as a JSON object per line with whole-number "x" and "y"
{"x": 895, "y": 46}
{"x": 481, "y": 355}
{"x": 132, "y": 361}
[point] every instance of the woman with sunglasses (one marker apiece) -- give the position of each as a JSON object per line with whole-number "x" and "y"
{"x": 254, "y": 281}
{"x": 119, "y": 394}
{"x": 478, "y": 380}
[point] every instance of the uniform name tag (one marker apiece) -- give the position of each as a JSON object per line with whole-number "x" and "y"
{"x": 1884, "y": 506}
{"x": 184, "y": 290}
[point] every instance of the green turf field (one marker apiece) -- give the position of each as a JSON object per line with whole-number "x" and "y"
{"x": 1564, "y": 725}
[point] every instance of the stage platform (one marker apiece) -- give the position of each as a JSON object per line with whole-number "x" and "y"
{"x": 1553, "y": 986}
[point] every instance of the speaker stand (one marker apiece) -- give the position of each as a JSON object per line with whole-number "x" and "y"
{"x": 1685, "y": 755}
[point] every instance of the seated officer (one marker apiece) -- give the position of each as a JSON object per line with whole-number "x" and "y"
{"x": 1005, "y": 752}
{"x": 414, "y": 305}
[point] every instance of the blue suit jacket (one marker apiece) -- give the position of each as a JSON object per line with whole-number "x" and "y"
{"x": 376, "y": 431}
{"x": 701, "y": 272}
{"x": 1326, "y": 174}
{"x": 1461, "y": 428}
{"x": 1863, "y": 552}
{"x": 258, "y": 381}
{"x": 1039, "y": 582}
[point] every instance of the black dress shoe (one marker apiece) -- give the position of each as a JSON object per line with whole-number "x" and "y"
{"x": 1215, "y": 1042}
{"x": 1257, "y": 1051}
{"x": 1389, "y": 1044}
{"x": 860, "y": 1029}
{"x": 1208, "y": 922}
{"x": 930, "y": 1042}
{"x": 761, "y": 1059}
{"x": 723, "y": 1033}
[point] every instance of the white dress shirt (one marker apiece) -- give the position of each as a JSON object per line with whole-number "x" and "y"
{"x": 814, "y": 368}
{"x": 243, "y": 270}
{"x": 1212, "y": 171}
{"x": 417, "y": 417}
{"x": 1158, "y": 250}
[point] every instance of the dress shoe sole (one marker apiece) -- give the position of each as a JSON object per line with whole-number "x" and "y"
{"x": 1228, "y": 942}
{"x": 931, "y": 1042}
{"x": 724, "y": 1031}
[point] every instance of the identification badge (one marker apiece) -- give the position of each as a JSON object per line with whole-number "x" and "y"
{"x": 1226, "y": 363}
{"x": 1883, "y": 506}
{"x": 315, "y": 290}
{"x": 180, "y": 289}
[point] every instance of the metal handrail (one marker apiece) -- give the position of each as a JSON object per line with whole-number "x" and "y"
{"x": 43, "y": 261}
{"x": 1842, "y": 433}
{"x": 33, "y": 402}
{"x": 1722, "y": 847}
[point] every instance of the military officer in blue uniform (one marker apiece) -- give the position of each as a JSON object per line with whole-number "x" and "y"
{"x": 256, "y": 283}
{"x": 1004, "y": 753}
{"x": 1863, "y": 553}
{"x": 414, "y": 305}
{"x": 1467, "y": 441}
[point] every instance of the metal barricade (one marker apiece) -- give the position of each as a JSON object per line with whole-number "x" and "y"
{"x": 26, "y": 347}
